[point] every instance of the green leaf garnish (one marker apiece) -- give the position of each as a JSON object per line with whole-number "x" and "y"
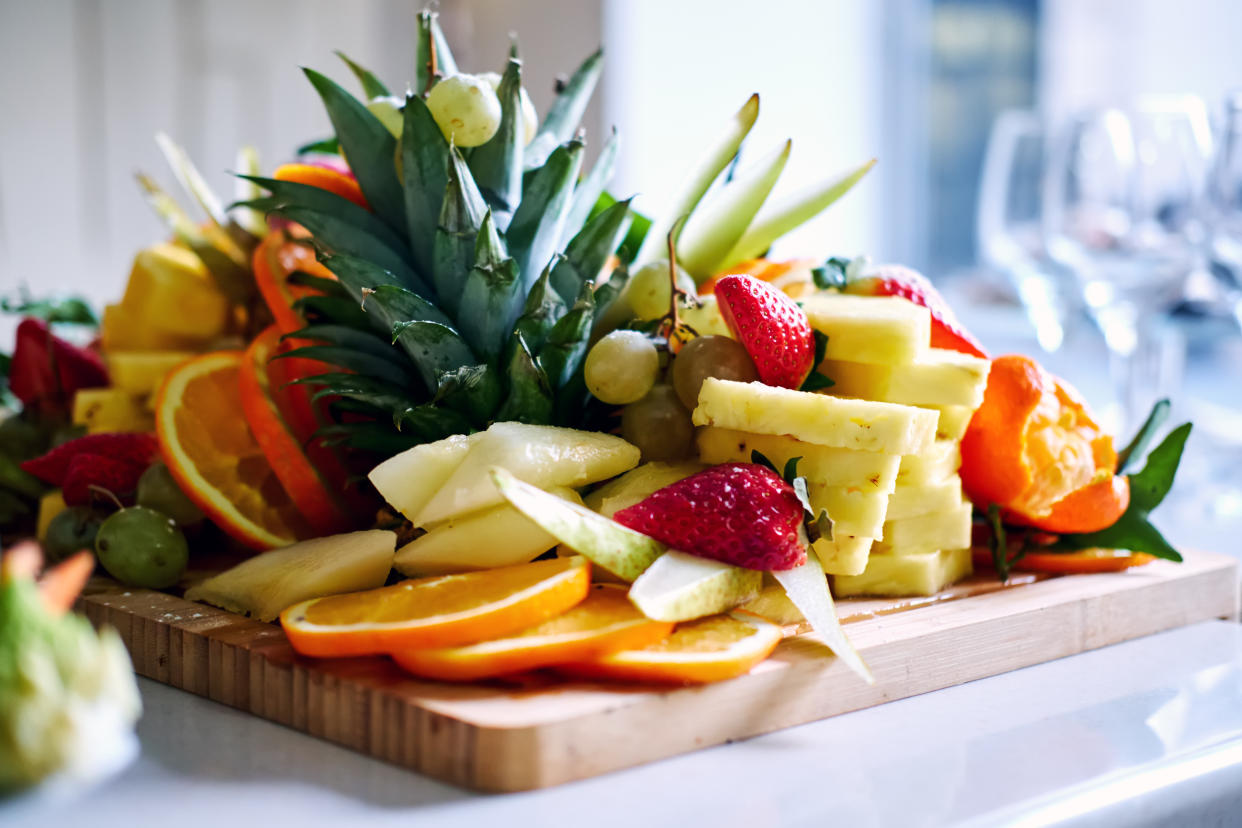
{"x": 1146, "y": 433}
{"x": 831, "y": 274}
{"x": 999, "y": 545}
{"x": 816, "y": 381}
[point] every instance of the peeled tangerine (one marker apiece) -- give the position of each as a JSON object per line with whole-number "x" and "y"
{"x": 266, "y": 584}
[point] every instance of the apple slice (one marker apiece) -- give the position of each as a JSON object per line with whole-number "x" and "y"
{"x": 807, "y": 588}
{"x": 682, "y": 587}
{"x": 606, "y": 543}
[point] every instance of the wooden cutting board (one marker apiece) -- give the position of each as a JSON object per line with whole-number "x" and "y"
{"x": 543, "y": 730}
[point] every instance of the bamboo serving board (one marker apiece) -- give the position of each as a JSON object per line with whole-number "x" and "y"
{"x": 543, "y": 730}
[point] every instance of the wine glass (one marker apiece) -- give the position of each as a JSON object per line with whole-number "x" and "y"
{"x": 1225, "y": 201}
{"x": 1123, "y": 211}
{"x": 1010, "y": 238}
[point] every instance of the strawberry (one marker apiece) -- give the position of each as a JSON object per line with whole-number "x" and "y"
{"x": 896, "y": 280}
{"x": 86, "y": 470}
{"x": 46, "y": 369}
{"x": 134, "y": 449}
{"x": 772, "y": 328}
{"x": 737, "y": 513}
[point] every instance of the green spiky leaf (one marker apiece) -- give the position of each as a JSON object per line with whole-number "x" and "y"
{"x": 322, "y": 284}
{"x": 561, "y": 356}
{"x": 543, "y": 307}
{"x": 461, "y": 216}
{"x": 536, "y": 227}
{"x": 475, "y": 391}
{"x": 430, "y": 37}
{"x": 497, "y": 164}
{"x": 345, "y": 337}
{"x": 565, "y": 114}
{"x": 326, "y": 146}
{"x": 374, "y": 392}
{"x": 431, "y": 422}
{"x": 492, "y": 298}
{"x": 530, "y": 394}
{"x": 379, "y": 438}
{"x": 435, "y": 349}
{"x": 332, "y": 310}
{"x": 424, "y": 169}
{"x": 590, "y": 188}
{"x": 396, "y": 371}
{"x": 335, "y": 237}
{"x": 588, "y": 251}
{"x": 372, "y": 86}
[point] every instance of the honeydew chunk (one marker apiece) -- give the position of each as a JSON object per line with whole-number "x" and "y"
{"x": 853, "y": 511}
{"x": 636, "y": 484}
{"x": 499, "y": 536}
{"x": 409, "y": 479}
{"x": 682, "y": 587}
{"x": 885, "y": 330}
{"x": 819, "y": 464}
{"x": 937, "y": 377}
{"x": 111, "y": 409}
{"x": 937, "y": 463}
{"x": 954, "y": 419}
{"x": 836, "y": 422}
{"x": 141, "y": 372}
{"x": 911, "y": 501}
{"x": 844, "y": 554}
{"x": 926, "y": 533}
{"x": 923, "y": 573}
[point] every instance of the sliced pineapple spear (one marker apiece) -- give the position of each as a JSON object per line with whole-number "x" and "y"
{"x": 918, "y": 573}
{"x": 936, "y": 377}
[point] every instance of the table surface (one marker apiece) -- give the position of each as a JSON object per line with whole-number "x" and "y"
{"x": 1145, "y": 732}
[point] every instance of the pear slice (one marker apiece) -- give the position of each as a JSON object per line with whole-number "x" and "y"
{"x": 410, "y": 479}
{"x": 636, "y": 484}
{"x": 807, "y": 588}
{"x": 606, "y": 543}
{"x": 682, "y": 587}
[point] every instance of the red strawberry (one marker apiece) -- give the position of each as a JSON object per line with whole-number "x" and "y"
{"x": 771, "y": 326}
{"x": 86, "y": 470}
{"x": 135, "y": 449}
{"x": 896, "y": 280}
{"x": 738, "y": 513}
{"x": 46, "y": 369}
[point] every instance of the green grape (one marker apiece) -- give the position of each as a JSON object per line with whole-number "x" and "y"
{"x": 466, "y": 109}
{"x": 159, "y": 491}
{"x": 659, "y": 425}
{"x": 709, "y": 356}
{"x": 72, "y": 530}
{"x": 621, "y": 367}
{"x": 141, "y": 547}
{"x": 20, "y": 439}
{"x": 647, "y": 291}
{"x": 530, "y": 118}
{"x": 388, "y": 111}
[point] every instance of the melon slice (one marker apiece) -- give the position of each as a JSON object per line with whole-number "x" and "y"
{"x": 267, "y": 584}
{"x": 410, "y": 479}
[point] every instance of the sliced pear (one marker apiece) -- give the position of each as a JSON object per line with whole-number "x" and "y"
{"x": 606, "y": 543}
{"x": 266, "y": 584}
{"x": 499, "y": 536}
{"x": 410, "y": 479}
{"x": 807, "y": 587}
{"x": 682, "y": 587}
{"x": 636, "y": 484}
{"x": 544, "y": 456}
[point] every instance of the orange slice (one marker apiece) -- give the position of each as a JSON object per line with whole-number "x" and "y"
{"x": 605, "y": 622}
{"x": 443, "y": 611}
{"x": 215, "y": 459}
{"x": 709, "y": 649}
{"x": 334, "y": 181}
{"x": 273, "y": 260}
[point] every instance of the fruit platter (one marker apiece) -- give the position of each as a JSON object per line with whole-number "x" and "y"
{"x": 432, "y": 445}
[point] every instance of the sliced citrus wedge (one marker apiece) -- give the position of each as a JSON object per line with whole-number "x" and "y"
{"x": 708, "y": 649}
{"x": 444, "y": 611}
{"x": 274, "y": 258}
{"x": 605, "y": 622}
{"x": 334, "y": 181}
{"x": 215, "y": 459}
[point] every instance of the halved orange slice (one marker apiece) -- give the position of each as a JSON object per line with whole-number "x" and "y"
{"x": 443, "y": 611}
{"x": 605, "y": 622}
{"x": 708, "y": 649}
{"x": 215, "y": 459}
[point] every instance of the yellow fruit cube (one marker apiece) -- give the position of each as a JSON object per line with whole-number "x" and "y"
{"x": 877, "y": 329}
{"x": 938, "y": 462}
{"x": 50, "y": 505}
{"x": 122, "y": 330}
{"x": 853, "y": 511}
{"x": 844, "y": 554}
{"x": 937, "y": 377}
{"x": 170, "y": 290}
{"x": 924, "y": 573}
{"x": 142, "y": 372}
{"x": 111, "y": 409}
{"x": 836, "y": 422}
{"x": 912, "y": 501}
{"x": 868, "y": 470}
{"x": 925, "y": 533}
{"x": 954, "y": 419}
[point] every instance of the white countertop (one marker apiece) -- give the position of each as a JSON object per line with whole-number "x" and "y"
{"x": 1145, "y": 732}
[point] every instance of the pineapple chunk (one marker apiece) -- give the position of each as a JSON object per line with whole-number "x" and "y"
{"x": 636, "y": 484}
{"x": 938, "y": 377}
{"x": 937, "y": 463}
{"x": 923, "y": 573}
{"x": 912, "y": 501}
{"x": 884, "y": 330}
{"x": 410, "y": 479}
{"x": 844, "y": 554}
{"x": 120, "y": 329}
{"x": 500, "y": 536}
{"x": 853, "y": 511}
{"x": 142, "y": 372}
{"x": 50, "y": 505}
{"x": 111, "y": 409}
{"x": 925, "y": 533}
{"x": 819, "y": 464}
{"x": 263, "y": 586}
{"x": 543, "y": 456}
{"x": 171, "y": 291}
{"x": 836, "y": 422}
{"x": 954, "y": 420}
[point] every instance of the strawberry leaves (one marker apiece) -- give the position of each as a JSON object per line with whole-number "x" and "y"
{"x": 818, "y": 525}
{"x": 817, "y": 381}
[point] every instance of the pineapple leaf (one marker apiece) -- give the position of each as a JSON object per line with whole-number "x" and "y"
{"x": 588, "y": 251}
{"x": 332, "y": 310}
{"x": 395, "y": 371}
{"x": 328, "y": 287}
{"x": 589, "y": 189}
{"x": 530, "y": 394}
{"x": 561, "y": 356}
{"x": 490, "y": 305}
{"x": 543, "y": 307}
{"x": 461, "y": 216}
{"x": 327, "y": 146}
{"x": 379, "y": 438}
{"x": 536, "y": 227}
{"x": 346, "y": 337}
{"x": 562, "y": 120}
{"x": 372, "y": 86}
{"x": 379, "y": 393}
{"x": 489, "y": 248}
{"x": 723, "y": 216}
{"x": 335, "y": 237}
{"x": 435, "y": 349}
{"x": 424, "y": 168}
{"x": 392, "y": 305}
{"x": 250, "y": 220}
{"x": 368, "y": 145}
{"x": 191, "y": 180}
{"x": 431, "y": 423}
{"x": 429, "y": 37}
{"x": 639, "y": 228}
{"x": 474, "y": 391}
{"x": 497, "y": 164}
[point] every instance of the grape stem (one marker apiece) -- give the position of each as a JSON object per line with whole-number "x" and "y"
{"x": 111, "y": 495}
